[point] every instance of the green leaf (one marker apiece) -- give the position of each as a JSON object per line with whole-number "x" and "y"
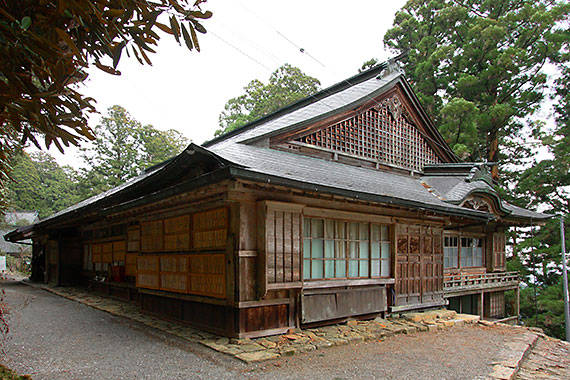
{"x": 26, "y": 22}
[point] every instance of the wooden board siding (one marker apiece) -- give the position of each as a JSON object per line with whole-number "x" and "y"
{"x": 419, "y": 265}
{"x": 333, "y": 304}
{"x": 279, "y": 227}
{"x": 210, "y": 317}
{"x": 261, "y": 318}
{"x": 494, "y": 305}
{"x": 499, "y": 243}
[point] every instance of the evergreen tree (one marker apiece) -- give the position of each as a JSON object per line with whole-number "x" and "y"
{"x": 40, "y": 184}
{"x": 477, "y": 66}
{"x": 286, "y": 85}
{"x": 122, "y": 149}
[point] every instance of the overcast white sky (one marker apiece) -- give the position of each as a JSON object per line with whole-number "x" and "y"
{"x": 246, "y": 39}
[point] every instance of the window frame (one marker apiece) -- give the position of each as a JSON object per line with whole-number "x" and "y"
{"x": 461, "y": 238}
{"x": 349, "y": 247}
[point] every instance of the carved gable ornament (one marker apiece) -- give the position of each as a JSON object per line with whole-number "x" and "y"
{"x": 395, "y": 107}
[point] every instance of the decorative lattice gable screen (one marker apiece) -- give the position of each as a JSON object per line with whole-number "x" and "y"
{"x": 378, "y": 134}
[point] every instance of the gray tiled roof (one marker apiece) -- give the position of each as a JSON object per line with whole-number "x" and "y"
{"x": 524, "y": 213}
{"x": 360, "y": 92}
{"x": 321, "y": 172}
{"x": 456, "y": 188}
{"x": 446, "y": 193}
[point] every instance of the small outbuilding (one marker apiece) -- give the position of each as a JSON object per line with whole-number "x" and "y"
{"x": 347, "y": 204}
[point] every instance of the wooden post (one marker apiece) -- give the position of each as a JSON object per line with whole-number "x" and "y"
{"x": 518, "y": 305}
{"x": 481, "y": 304}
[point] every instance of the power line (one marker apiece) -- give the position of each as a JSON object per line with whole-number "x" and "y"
{"x": 250, "y": 42}
{"x": 301, "y": 49}
{"x": 239, "y": 50}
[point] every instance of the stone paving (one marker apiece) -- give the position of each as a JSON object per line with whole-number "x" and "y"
{"x": 548, "y": 360}
{"x": 296, "y": 341}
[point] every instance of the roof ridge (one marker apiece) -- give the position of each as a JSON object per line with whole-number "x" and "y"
{"x": 324, "y": 93}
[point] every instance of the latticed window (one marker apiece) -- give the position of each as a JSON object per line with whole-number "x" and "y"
{"x": 375, "y": 135}
{"x": 339, "y": 249}
{"x": 462, "y": 252}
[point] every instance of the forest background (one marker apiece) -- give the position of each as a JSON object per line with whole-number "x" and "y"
{"x": 482, "y": 70}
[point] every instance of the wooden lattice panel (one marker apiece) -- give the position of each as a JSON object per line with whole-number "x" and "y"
{"x": 177, "y": 233}
{"x": 133, "y": 239}
{"x": 119, "y": 250}
{"x": 210, "y": 229}
{"x": 207, "y": 275}
{"x": 177, "y": 225}
{"x": 148, "y": 272}
{"x": 200, "y": 274}
{"x": 107, "y": 253}
{"x": 376, "y": 136}
{"x": 152, "y": 236}
{"x": 174, "y": 273}
{"x": 148, "y": 280}
{"x": 97, "y": 249}
{"x": 131, "y": 264}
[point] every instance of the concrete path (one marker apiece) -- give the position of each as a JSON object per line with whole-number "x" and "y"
{"x": 56, "y": 338}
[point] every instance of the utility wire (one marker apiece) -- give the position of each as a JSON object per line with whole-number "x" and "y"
{"x": 250, "y": 42}
{"x": 240, "y": 51}
{"x": 301, "y": 50}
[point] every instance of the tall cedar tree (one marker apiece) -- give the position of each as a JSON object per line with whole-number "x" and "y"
{"x": 122, "y": 149}
{"x": 477, "y": 66}
{"x": 546, "y": 184}
{"x": 286, "y": 85}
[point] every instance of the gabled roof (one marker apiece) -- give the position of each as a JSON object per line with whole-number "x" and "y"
{"x": 245, "y": 154}
{"x": 346, "y": 95}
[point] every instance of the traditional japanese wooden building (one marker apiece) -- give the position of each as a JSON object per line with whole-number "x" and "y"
{"x": 347, "y": 204}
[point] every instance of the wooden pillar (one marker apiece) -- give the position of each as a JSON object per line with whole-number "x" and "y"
{"x": 481, "y": 304}
{"x": 518, "y": 305}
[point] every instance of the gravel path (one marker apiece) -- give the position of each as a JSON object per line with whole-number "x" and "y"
{"x": 55, "y": 338}
{"x": 458, "y": 353}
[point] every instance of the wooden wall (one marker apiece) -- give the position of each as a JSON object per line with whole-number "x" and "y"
{"x": 279, "y": 245}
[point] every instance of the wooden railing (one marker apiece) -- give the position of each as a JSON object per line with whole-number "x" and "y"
{"x": 462, "y": 282}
